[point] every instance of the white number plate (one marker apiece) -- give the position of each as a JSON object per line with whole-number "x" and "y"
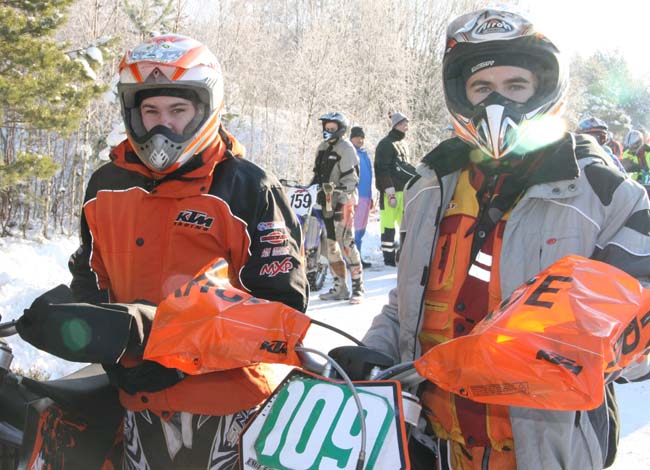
{"x": 310, "y": 423}
{"x": 302, "y": 199}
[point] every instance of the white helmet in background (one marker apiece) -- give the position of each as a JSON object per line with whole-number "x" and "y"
{"x": 171, "y": 65}
{"x": 633, "y": 140}
{"x": 488, "y": 38}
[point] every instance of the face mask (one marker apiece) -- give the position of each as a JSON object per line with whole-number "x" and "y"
{"x": 327, "y": 135}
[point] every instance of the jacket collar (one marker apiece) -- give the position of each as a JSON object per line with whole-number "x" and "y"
{"x": 559, "y": 160}
{"x": 396, "y": 135}
{"x": 191, "y": 177}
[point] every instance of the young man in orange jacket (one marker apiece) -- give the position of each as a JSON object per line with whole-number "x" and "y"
{"x": 176, "y": 196}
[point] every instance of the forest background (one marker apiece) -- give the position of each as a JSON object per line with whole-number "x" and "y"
{"x": 285, "y": 62}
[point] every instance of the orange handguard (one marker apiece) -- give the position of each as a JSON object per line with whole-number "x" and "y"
{"x": 207, "y": 325}
{"x": 553, "y": 343}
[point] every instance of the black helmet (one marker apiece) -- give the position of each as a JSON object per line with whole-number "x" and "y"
{"x": 339, "y": 119}
{"x": 488, "y": 38}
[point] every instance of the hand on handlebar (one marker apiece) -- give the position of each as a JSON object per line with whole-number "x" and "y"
{"x": 148, "y": 376}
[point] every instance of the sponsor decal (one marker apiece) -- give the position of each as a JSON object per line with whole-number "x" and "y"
{"x": 494, "y": 25}
{"x": 266, "y": 252}
{"x": 194, "y": 219}
{"x": 482, "y": 65}
{"x": 274, "y": 238}
{"x": 275, "y": 346}
{"x": 560, "y": 360}
{"x": 277, "y": 267}
{"x": 281, "y": 251}
{"x": 272, "y": 225}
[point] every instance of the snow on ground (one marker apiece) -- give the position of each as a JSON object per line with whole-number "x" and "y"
{"x": 29, "y": 268}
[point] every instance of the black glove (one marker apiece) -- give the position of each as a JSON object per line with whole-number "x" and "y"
{"x": 149, "y": 376}
{"x": 358, "y": 361}
{"x": 81, "y": 332}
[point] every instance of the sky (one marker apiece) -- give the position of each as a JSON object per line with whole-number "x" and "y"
{"x": 586, "y": 26}
{"x": 29, "y": 268}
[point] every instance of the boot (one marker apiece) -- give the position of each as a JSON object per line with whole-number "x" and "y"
{"x": 338, "y": 292}
{"x": 389, "y": 258}
{"x": 357, "y": 291}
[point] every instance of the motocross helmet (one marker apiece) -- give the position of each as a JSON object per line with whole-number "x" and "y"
{"x": 339, "y": 119}
{"x": 488, "y": 38}
{"x": 170, "y": 65}
{"x": 595, "y": 127}
{"x": 633, "y": 140}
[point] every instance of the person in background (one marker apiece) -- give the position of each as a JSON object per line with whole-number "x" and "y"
{"x": 176, "y": 196}
{"x": 598, "y": 129}
{"x": 392, "y": 171}
{"x": 615, "y": 145}
{"x": 362, "y": 210}
{"x": 486, "y": 212}
{"x": 636, "y": 156}
{"x": 337, "y": 165}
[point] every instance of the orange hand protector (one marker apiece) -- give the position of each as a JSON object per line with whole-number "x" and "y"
{"x": 552, "y": 343}
{"x": 208, "y": 325}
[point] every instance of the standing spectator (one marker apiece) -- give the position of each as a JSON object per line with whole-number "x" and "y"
{"x": 362, "y": 211}
{"x": 483, "y": 216}
{"x": 337, "y": 165}
{"x": 392, "y": 171}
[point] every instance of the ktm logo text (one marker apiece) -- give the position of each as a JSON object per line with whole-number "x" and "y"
{"x": 195, "y": 219}
{"x": 275, "y": 347}
{"x": 277, "y": 267}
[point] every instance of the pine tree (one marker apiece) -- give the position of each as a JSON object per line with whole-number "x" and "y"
{"x": 42, "y": 88}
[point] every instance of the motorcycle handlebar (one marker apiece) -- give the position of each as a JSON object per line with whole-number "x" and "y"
{"x": 8, "y": 328}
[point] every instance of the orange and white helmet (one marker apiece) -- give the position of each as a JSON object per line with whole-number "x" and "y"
{"x": 171, "y": 65}
{"x": 488, "y": 38}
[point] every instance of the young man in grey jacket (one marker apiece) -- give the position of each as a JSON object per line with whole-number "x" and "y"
{"x": 487, "y": 211}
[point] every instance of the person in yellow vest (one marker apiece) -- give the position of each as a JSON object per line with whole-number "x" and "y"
{"x": 636, "y": 156}
{"x": 486, "y": 212}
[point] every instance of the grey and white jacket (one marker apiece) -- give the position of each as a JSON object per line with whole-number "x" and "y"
{"x": 337, "y": 163}
{"x": 590, "y": 209}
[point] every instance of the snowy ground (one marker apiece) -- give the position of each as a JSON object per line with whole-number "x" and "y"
{"x": 29, "y": 268}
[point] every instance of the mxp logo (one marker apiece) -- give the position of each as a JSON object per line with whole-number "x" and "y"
{"x": 277, "y": 267}
{"x": 494, "y": 25}
{"x": 194, "y": 219}
{"x": 275, "y": 347}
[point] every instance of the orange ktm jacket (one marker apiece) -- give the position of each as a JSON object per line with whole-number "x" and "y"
{"x": 142, "y": 238}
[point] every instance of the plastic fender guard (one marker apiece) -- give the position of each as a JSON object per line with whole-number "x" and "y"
{"x": 553, "y": 344}
{"x": 208, "y": 325}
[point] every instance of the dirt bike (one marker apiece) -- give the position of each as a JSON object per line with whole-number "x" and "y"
{"x": 372, "y": 416}
{"x": 303, "y": 203}
{"x": 553, "y": 344}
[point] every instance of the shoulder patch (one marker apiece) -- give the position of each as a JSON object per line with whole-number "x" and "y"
{"x": 640, "y": 222}
{"x": 604, "y": 181}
